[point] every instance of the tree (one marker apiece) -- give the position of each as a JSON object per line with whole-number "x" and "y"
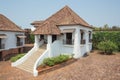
{"x": 105, "y": 27}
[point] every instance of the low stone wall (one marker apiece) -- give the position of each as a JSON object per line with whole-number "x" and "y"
{"x": 7, "y": 54}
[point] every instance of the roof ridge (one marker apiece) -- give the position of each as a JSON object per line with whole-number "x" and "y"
{"x": 8, "y": 25}
{"x": 70, "y": 10}
{"x": 65, "y": 16}
{"x": 55, "y": 13}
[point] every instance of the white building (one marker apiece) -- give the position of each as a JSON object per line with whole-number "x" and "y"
{"x": 11, "y": 38}
{"x": 64, "y": 33}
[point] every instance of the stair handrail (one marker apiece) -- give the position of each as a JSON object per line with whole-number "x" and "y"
{"x": 39, "y": 61}
{"x": 44, "y": 55}
{"x": 21, "y": 60}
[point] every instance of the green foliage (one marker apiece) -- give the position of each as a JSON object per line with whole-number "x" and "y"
{"x": 55, "y": 60}
{"x": 61, "y": 58}
{"x": 106, "y": 27}
{"x": 15, "y": 58}
{"x": 107, "y": 47}
{"x": 49, "y": 61}
{"x": 113, "y": 36}
{"x": 32, "y": 38}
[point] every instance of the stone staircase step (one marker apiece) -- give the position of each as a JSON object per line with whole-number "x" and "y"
{"x": 26, "y": 69}
{"x": 29, "y": 63}
{"x": 22, "y": 67}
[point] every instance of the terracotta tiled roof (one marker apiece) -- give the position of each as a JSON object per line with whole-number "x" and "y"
{"x": 47, "y": 28}
{"x": 8, "y": 25}
{"x": 37, "y": 23}
{"x": 65, "y": 16}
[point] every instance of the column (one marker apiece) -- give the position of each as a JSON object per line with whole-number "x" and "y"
{"x": 23, "y": 40}
{"x": 91, "y": 35}
{"x": 49, "y": 39}
{"x": 77, "y": 51}
{"x": 36, "y": 44}
{"x": 87, "y": 40}
{"x": 91, "y": 42}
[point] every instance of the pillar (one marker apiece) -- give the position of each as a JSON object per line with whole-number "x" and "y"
{"x": 36, "y": 44}
{"x": 49, "y": 39}
{"x": 87, "y": 41}
{"x": 91, "y": 42}
{"x": 23, "y": 40}
{"x": 77, "y": 51}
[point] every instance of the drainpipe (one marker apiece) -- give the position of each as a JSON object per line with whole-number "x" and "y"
{"x": 77, "y": 50}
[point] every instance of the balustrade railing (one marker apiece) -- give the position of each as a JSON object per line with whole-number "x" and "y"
{"x": 19, "y": 43}
{"x": 68, "y": 41}
{"x": 83, "y": 41}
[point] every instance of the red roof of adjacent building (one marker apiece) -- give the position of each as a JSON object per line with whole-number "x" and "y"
{"x": 8, "y": 25}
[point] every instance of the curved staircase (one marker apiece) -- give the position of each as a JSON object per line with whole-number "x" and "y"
{"x": 29, "y": 63}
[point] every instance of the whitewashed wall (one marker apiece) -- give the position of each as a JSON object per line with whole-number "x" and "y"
{"x": 68, "y": 48}
{"x": 90, "y": 46}
{"x": 10, "y": 41}
{"x": 55, "y": 48}
{"x": 58, "y": 47}
{"x": 83, "y": 49}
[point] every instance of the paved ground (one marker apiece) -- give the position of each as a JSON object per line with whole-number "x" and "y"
{"x": 93, "y": 67}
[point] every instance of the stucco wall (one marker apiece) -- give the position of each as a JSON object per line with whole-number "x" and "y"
{"x": 67, "y": 49}
{"x": 82, "y": 47}
{"x": 10, "y": 41}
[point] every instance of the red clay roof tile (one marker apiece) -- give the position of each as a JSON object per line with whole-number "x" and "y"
{"x": 8, "y": 25}
{"x": 65, "y": 16}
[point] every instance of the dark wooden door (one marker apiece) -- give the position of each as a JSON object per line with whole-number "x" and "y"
{"x": 18, "y": 41}
{"x": 69, "y": 38}
{"x": 0, "y": 43}
{"x": 54, "y": 37}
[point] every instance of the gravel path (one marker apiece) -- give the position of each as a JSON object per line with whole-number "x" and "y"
{"x": 93, "y": 67}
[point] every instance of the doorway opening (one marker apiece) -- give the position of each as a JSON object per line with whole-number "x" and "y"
{"x": 54, "y": 37}
{"x": 68, "y": 38}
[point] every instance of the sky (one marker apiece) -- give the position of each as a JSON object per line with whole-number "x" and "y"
{"x": 95, "y": 12}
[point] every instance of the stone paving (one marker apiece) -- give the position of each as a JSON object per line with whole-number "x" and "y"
{"x": 93, "y": 67}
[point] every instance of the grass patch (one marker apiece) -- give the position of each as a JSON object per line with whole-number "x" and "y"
{"x": 15, "y": 58}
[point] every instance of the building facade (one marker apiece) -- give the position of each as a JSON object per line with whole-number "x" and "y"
{"x": 11, "y": 38}
{"x": 62, "y": 33}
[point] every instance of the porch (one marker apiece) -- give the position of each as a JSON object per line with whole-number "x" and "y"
{"x": 73, "y": 41}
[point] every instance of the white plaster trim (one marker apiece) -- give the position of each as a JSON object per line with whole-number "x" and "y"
{"x": 21, "y": 60}
{"x": 39, "y": 61}
{"x": 82, "y": 45}
{"x": 68, "y": 45}
{"x": 89, "y": 43}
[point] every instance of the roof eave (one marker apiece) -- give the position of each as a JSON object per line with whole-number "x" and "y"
{"x": 46, "y": 33}
{"x": 13, "y": 30}
{"x": 74, "y": 24}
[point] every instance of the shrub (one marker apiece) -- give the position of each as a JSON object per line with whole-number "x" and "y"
{"x": 113, "y": 36}
{"x": 63, "y": 58}
{"x": 107, "y": 47}
{"x": 15, "y": 58}
{"x": 55, "y": 60}
{"x": 49, "y": 61}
